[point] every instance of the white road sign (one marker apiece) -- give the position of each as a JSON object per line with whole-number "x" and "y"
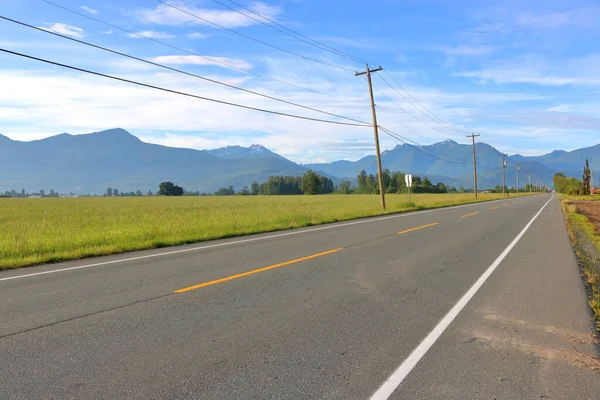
{"x": 408, "y": 180}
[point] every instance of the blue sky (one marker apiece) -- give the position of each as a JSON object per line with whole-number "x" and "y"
{"x": 523, "y": 74}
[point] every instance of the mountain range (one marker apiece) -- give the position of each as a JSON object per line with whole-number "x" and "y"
{"x": 92, "y": 162}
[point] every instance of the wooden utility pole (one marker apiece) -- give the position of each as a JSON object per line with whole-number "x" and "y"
{"x": 529, "y": 183}
{"x": 368, "y": 72}
{"x": 518, "y": 169}
{"x": 503, "y": 175}
{"x": 473, "y": 136}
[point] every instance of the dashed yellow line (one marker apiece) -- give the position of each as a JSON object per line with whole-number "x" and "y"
{"x": 470, "y": 215}
{"x": 417, "y": 228}
{"x": 494, "y": 208}
{"x": 256, "y": 271}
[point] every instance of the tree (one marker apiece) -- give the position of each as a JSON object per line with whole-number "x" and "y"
{"x": 42, "y": 192}
{"x": 53, "y": 193}
{"x": 138, "y": 193}
{"x": 115, "y": 192}
{"x": 560, "y": 182}
{"x": 344, "y": 187}
{"x": 169, "y": 189}
{"x": 23, "y": 193}
{"x": 109, "y": 192}
{"x": 574, "y": 186}
{"x": 225, "y": 191}
{"x": 149, "y": 193}
{"x": 311, "y": 182}
{"x": 586, "y": 178}
{"x": 254, "y": 188}
{"x": 244, "y": 191}
{"x": 387, "y": 178}
{"x": 362, "y": 179}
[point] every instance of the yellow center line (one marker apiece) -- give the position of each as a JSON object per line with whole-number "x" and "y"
{"x": 494, "y": 208}
{"x": 256, "y": 271}
{"x": 470, "y": 215}
{"x": 417, "y": 228}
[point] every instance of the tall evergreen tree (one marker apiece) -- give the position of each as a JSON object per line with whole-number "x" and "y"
{"x": 587, "y": 178}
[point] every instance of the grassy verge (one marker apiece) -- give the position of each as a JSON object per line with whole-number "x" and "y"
{"x": 586, "y": 242}
{"x": 36, "y": 231}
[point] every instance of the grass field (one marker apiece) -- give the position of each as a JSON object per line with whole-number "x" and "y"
{"x": 36, "y": 231}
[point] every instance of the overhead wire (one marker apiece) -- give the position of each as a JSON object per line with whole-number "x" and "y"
{"x": 211, "y": 59}
{"x": 178, "y": 92}
{"x": 433, "y": 116}
{"x": 178, "y": 70}
{"x": 398, "y": 122}
{"x": 252, "y": 38}
{"x": 289, "y": 32}
{"x": 399, "y": 138}
{"x": 404, "y": 109}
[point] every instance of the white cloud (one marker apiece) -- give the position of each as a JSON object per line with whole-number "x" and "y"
{"x": 64, "y": 29}
{"x": 466, "y": 50}
{"x": 197, "y": 60}
{"x": 359, "y": 43}
{"x": 151, "y": 34}
{"x": 89, "y": 10}
{"x": 108, "y": 32}
{"x": 197, "y": 35}
{"x": 579, "y": 17}
{"x": 165, "y": 15}
{"x": 540, "y": 71}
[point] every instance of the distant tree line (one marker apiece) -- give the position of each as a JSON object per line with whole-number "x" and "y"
{"x": 23, "y": 193}
{"x": 573, "y": 186}
{"x": 394, "y": 182}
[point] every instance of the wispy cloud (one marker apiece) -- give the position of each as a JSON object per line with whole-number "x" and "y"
{"x": 151, "y": 34}
{"x": 539, "y": 71}
{"x": 89, "y": 10}
{"x": 197, "y": 35}
{"x": 108, "y": 32}
{"x": 466, "y": 50}
{"x": 197, "y": 60}
{"x": 359, "y": 43}
{"x": 63, "y": 29}
{"x": 579, "y": 17}
{"x": 165, "y": 15}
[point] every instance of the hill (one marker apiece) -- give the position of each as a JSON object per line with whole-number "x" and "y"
{"x": 90, "y": 163}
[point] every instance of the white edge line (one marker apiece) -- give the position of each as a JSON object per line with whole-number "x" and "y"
{"x": 363, "y": 221}
{"x": 396, "y": 378}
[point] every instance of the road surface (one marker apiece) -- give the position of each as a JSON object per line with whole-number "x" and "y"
{"x": 474, "y": 302}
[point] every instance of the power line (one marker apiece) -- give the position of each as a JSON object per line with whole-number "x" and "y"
{"x": 178, "y": 70}
{"x": 399, "y": 138}
{"x": 422, "y": 106}
{"x": 213, "y": 60}
{"x": 253, "y": 39}
{"x": 178, "y": 92}
{"x": 318, "y": 44}
{"x": 299, "y": 36}
{"x": 405, "y": 110}
{"x": 289, "y": 32}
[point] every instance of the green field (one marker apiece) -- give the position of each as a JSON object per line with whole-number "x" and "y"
{"x": 36, "y": 231}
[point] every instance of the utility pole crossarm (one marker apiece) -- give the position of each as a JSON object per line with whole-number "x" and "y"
{"x": 368, "y": 72}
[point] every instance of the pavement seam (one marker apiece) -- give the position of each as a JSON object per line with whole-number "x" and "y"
{"x": 86, "y": 315}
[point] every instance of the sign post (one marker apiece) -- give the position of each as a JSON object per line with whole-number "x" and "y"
{"x": 408, "y": 180}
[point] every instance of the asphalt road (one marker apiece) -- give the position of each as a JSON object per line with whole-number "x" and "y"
{"x": 474, "y": 302}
